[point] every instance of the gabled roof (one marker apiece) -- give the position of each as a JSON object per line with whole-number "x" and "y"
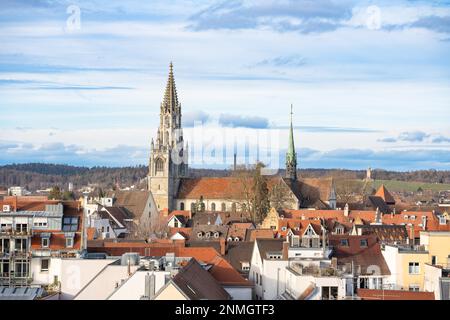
{"x": 238, "y": 252}
{"x": 253, "y": 234}
{"x": 377, "y": 202}
{"x": 268, "y": 246}
{"x": 309, "y": 191}
{"x": 362, "y": 256}
{"x": 385, "y": 195}
{"x": 134, "y": 201}
{"x": 197, "y": 284}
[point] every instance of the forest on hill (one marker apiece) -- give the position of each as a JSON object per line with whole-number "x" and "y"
{"x": 35, "y": 176}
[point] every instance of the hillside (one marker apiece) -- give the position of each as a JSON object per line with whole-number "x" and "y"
{"x": 36, "y": 176}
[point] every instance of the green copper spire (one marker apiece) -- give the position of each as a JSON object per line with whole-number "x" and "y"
{"x": 291, "y": 156}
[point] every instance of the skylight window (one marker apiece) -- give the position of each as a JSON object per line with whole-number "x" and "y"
{"x": 70, "y": 224}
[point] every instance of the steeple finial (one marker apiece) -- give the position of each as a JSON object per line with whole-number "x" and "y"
{"x": 291, "y": 156}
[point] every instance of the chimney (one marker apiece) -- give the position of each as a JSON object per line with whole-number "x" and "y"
{"x": 346, "y": 210}
{"x": 285, "y": 250}
{"x": 222, "y": 246}
{"x": 424, "y": 222}
{"x": 15, "y": 203}
{"x": 412, "y": 236}
{"x": 150, "y": 286}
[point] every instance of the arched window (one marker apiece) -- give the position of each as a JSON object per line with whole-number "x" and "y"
{"x": 193, "y": 207}
{"x": 224, "y": 206}
{"x": 233, "y": 207}
{"x": 182, "y": 206}
{"x": 213, "y": 206}
{"x": 159, "y": 166}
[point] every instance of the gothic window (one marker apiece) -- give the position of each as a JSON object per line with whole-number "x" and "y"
{"x": 159, "y": 166}
{"x": 182, "y": 206}
{"x": 166, "y": 137}
{"x": 213, "y": 206}
{"x": 224, "y": 206}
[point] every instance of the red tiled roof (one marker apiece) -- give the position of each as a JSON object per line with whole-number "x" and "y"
{"x": 385, "y": 195}
{"x": 369, "y": 294}
{"x": 253, "y": 234}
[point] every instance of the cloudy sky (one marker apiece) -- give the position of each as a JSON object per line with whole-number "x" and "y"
{"x": 81, "y": 81}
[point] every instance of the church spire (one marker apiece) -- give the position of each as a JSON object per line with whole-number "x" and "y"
{"x": 291, "y": 155}
{"x": 170, "y": 103}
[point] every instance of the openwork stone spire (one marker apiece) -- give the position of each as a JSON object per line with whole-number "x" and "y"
{"x": 291, "y": 155}
{"x": 170, "y": 102}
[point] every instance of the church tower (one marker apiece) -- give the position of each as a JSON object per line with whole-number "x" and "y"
{"x": 168, "y": 155}
{"x": 291, "y": 156}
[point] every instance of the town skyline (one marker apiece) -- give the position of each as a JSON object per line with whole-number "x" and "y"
{"x": 93, "y": 98}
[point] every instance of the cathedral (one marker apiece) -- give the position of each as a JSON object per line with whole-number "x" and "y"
{"x": 172, "y": 188}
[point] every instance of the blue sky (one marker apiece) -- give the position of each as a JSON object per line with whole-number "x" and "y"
{"x": 369, "y": 80}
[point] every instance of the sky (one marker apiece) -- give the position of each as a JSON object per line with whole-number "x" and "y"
{"x": 81, "y": 82}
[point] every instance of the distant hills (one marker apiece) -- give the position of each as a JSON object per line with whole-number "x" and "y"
{"x": 35, "y": 176}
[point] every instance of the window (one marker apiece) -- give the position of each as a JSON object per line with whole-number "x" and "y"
{"x": 107, "y": 229}
{"x": 413, "y": 268}
{"x": 433, "y": 260}
{"x": 192, "y": 206}
{"x": 344, "y": 242}
{"x": 45, "y": 242}
{"x": 70, "y": 224}
{"x": 442, "y": 220}
{"x": 213, "y": 206}
{"x": 182, "y": 206}
{"x": 233, "y": 207}
{"x": 69, "y": 242}
{"x": 216, "y": 235}
{"x": 414, "y": 287}
{"x": 363, "y": 243}
{"x": 283, "y": 228}
{"x": 44, "y": 265}
{"x": 224, "y": 207}
{"x": 329, "y": 293}
{"x": 339, "y": 230}
{"x": 175, "y": 223}
{"x": 159, "y": 166}
{"x": 260, "y": 280}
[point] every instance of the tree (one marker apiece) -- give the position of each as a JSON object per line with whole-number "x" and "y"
{"x": 148, "y": 227}
{"x": 55, "y": 193}
{"x": 260, "y": 202}
{"x": 279, "y": 196}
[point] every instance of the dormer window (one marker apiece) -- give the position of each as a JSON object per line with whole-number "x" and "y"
{"x": 412, "y": 217}
{"x": 207, "y": 235}
{"x": 405, "y": 217}
{"x": 199, "y": 234}
{"x": 216, "y": 235}
{"x": 69, "y": 242}
{"x": 363, "y": 243}
{"x": 283, "y": 228}
{"x": 236, "y": 239}
{"x": 45, "y": 242}
{"x": 442, "y": 220}
{"x": 230, "y": 239}
{"x": 344, "y": 242}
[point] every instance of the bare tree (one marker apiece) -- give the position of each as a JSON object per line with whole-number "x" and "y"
{"x": 148, "y": 227}
{"x": 280, "y": 197}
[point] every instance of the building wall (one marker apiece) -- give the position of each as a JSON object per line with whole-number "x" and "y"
{"x": 239, "y": 293}
{"x": 76, "y": 273}
{"x": 432, "y": 280}
{"x": 438, "y": 245}
{"x": 274, "y": 278}
{"x": 406, "y": 279}
{"x": 170, "y": 293}
{"x": 134, "y": 287}
{"x": 104, "y": 283}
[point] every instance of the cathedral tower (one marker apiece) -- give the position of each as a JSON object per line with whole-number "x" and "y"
{"x": 168, "y": 155}
{"x": 291, "y": 156}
